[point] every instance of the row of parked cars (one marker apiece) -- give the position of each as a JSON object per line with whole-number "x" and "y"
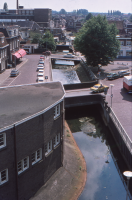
{"x": 121, "y": 73}
{"x": 104, "y": 88}
{"x": 40, "y": 69}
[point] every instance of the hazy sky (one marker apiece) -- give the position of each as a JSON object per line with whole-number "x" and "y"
{"x": 125, "y": 6}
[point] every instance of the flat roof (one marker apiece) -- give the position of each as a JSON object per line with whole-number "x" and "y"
{"x": 20, "y": 102}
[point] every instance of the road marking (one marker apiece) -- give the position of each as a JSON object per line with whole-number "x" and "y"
{"x": 14, "y": 79}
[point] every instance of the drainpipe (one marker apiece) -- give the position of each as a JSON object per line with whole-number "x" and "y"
{"x": 16, "y": 175}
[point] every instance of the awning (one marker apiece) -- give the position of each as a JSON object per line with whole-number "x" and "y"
{"x": 17, "y": 55}
{"x": 22, "y": 52}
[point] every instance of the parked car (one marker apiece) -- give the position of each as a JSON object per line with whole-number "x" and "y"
{"x": 112, "y": 76}
{"x": 40, "y": 74}
{"x": 9, "y": 66}
{"x": 47, "y": 53}
{"x": 41, "y": 71}
{"x": 123, "y": 73}
{"x": 14, "y": 72}
{"x": 99, "y": 88}
{"x": 40, "y": 79}
{"x": 41, "y": 57}
{"x": 40, "y": 67}
{"x": 41, "y": 62}
{"x": 69, "y": 55}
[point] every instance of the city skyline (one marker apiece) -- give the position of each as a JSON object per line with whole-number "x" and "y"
{"x": 70, "y": 5}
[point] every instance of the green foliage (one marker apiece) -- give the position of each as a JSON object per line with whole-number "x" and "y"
{"x": 62, "y": 11}
{"x": 82, "y": 12}
{"x": 47, "y": 41}
{"x": 117, "y": 12}
{"x": 5, "y": 7}
{"x": 89, "y": 16}
{"x": 96, "y": 40}
{"x": 130, "y": 18}
{"x": 35, "y": 37}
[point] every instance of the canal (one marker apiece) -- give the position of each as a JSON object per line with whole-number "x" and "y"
{"x": 105, "y": 165}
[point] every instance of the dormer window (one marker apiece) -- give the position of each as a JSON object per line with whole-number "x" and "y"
{"x": 10, "y": 33}
{"x": 2, "y": 39}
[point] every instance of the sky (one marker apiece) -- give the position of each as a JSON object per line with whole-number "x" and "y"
{"x": 125, "y": 6}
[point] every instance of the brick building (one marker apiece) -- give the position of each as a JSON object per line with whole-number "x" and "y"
{"x": 3, "y": 52}
{"x": 40, "y": 15}
{"x": 31, "y": 137}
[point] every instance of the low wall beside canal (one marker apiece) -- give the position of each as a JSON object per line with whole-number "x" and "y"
{"x": 110, "y": 119}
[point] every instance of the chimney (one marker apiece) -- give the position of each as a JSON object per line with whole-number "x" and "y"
{"x": 17, "y": 7}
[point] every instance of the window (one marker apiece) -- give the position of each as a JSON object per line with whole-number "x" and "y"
{"x": 2, "y": 39}
{"x": 128, "y": 42}
{"x": 3, "y": 176}
{"x": 10, "y": 45}
{"x": 56, "y": 111}
{"x": 122, "y": 43}
{"x": 5, "y": 52}
{"x": 48, "y": 147}
{"x": 2, "y": 140}
{"x": 56, "y": 140}
{"x": 23, "y": 165}
{"x": 36, "y": 156}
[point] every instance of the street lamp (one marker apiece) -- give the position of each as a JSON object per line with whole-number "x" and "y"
{"x": 111, "y": 93}
{"x": 128, "y": 174}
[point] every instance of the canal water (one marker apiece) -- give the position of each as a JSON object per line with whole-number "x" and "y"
{"x": 69, "y": 74}
{"x": 105, "y": 165}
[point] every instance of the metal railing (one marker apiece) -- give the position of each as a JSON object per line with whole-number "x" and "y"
{"x": 122, "y": 131}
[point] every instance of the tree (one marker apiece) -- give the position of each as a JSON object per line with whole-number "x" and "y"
{"x": 5, "y": 7}
{"x": 35, "y": 37}
{"x": 47, "y": 41}
{"x": 82, "y": 12}
{"x": 62, "y": 11}
{"x": 89, "y": 16}
{"x": 130, "y": 18}
{"x": 117, "y": 12}
{"x": 96, "y": 40}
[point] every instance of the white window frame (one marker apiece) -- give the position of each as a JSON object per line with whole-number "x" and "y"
{"x": 48, "y": 147}
{"x": 56, "y": 140}
{"x": 56, "y": 111}
{"x": 4, "y": 140}
{"x": 22, "y": 165}
{"x": 35, "y": 156}
{"x": 4, "y": 181}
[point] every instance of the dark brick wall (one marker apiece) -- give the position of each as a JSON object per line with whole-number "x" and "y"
{"x": 42, "y": 15}
{"x": 30, "y": 136}
{"x": 7, "y": 160}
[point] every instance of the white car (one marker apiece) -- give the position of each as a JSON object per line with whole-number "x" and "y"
{"x": 40, "y": 67}
{"x": 69, "y": 55}
{"x": 41, "y": 71}
{"x": 40, "y": 79}
{"x": 40, "y": 74}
